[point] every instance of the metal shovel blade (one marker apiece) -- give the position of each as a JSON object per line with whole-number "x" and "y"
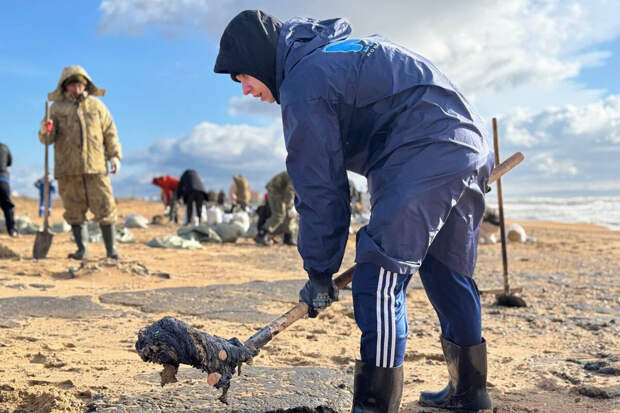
{"x": 42, "y": 244}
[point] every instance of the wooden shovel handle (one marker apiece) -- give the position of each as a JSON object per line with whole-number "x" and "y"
{"x": 46, "y": 182}
{"x": 499, "y": 170}
{"x": 265, "y": 334}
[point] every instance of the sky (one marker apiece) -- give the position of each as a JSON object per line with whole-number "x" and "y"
{"x": 546, "y": 69}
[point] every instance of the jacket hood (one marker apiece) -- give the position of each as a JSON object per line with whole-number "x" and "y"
{"x": 301, "y": 36}
{"x": 69, "y": 71}
{"x": 248, "y": 45}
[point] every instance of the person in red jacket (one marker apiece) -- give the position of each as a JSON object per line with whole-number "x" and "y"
{"x": 168, "y": 185}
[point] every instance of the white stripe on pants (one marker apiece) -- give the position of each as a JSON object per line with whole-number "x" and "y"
{"x": 386, "y": 319}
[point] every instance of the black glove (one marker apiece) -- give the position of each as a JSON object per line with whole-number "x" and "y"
{"x": 319, "y": 292}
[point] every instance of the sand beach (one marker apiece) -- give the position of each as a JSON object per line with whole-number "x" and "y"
{"x": 67, "y": 333}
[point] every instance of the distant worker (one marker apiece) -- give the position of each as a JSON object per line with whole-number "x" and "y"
{"x": 242, "y": 187}
{"x": 193, "y": 193}
{"x": 40, "y": 185}
{"x": 168, "y": 185}
{"x": 221, "y": 198}
{"x": 212, "y": 196}
{"x": 355, "y": 198}
{"x": 280, "y": 197}
{"x": 5, "y": 190}
{"x": 85, "y": 139}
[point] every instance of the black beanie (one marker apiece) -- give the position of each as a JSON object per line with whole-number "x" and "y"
{"x": 248, "y": 45}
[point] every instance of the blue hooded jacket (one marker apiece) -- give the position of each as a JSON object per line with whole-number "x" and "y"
{"x": 375, "y": 108}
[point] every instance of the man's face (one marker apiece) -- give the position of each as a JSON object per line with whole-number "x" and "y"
{"x": 252, "y": 86}
{"x": 75, "y": 88}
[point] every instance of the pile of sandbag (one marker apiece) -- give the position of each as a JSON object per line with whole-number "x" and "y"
{"x": 122, "y": 235}
{"x": 220, "y": 227}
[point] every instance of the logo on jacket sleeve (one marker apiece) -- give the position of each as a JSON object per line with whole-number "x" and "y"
{"x": 344, "y": 46}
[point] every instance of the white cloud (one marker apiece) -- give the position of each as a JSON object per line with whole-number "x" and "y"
{"x": 218, "y": 151}
{"x": 565, "y": 145}
{"x": 595, "y": 124}
{"x": 545, "y": 163}
{"x": 482, "y": 45}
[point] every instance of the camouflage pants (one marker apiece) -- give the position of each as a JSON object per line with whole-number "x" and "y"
{"x": 280, "y": 221}
{"x": 80, "y": 193}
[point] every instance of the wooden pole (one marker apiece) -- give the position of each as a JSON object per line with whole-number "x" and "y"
{"x": 500, "y": 202}
{"x": 46, "y": 181}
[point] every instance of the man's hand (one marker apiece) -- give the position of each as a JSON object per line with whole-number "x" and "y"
{"x": 47, "y": 126}
{"x": 115, "y": 165}
{"x": 319, "y": 292}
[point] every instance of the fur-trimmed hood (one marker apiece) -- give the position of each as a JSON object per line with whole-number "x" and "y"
{"x": 69, "y": 71}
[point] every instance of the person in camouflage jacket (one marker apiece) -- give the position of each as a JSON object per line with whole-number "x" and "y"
{"x": 281, "y": 199}
{"x": 85, "y": 139}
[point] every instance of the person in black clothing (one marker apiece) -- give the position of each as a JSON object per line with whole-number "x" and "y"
{"x": 5, "y": 189}
{"x": 193, "y": 193}
{"x": 221, "y": 198}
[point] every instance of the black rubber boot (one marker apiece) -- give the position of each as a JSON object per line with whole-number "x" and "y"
{"x": 9, "y": 215}
{"x": 262, "y": 238}
{"x": 80, "y": 234}
{"x": 377, "y": 389}
{"x": 467, "y": 389}
{"x": 289, "y": 240}
{"x": 109, "y": 240}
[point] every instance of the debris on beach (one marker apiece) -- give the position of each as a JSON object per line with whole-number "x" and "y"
{"x": 129, "y": 267}
{"x": 7, "y": 253}
{"x": 159, "y": 220}
{"x": 171, "y": 342}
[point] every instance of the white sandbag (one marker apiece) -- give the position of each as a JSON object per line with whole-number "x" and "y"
{"x": 360, "y": 219}
{"x": 136, "y": 221}
{"x": 60, "y": 227}
{"x": 228, "y": 232}
{"x": 214, "y": 215}
{"x": 174, "y": 241}
{"x": 203, "y": 214}
{"x": 242, "y": 219}
{"x": 252, "y": 231}
{"x": 200, "y": 233}
{"x": 124, "y": 236}
{"x": 516, "y": 233}
{"x": 24, "y": 226}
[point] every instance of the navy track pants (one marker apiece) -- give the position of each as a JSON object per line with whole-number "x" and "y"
{"x": 379, "y": 303}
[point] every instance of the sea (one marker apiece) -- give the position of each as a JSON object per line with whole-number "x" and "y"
{"x": 599, "y": 210}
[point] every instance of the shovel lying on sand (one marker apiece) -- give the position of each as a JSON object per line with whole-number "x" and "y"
{"x": 171, "y": 342}
{"x": 43, "y": 240}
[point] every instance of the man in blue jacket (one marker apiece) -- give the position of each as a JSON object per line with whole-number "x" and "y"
{"x": 373, "y": 107}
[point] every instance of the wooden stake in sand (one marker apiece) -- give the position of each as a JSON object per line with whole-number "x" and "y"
{"x": 506, "y": 298}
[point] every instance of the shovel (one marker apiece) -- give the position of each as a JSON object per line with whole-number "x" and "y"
{"x": 43, "y": 240}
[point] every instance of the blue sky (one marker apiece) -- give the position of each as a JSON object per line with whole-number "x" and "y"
{"x": 546, "y": 69}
